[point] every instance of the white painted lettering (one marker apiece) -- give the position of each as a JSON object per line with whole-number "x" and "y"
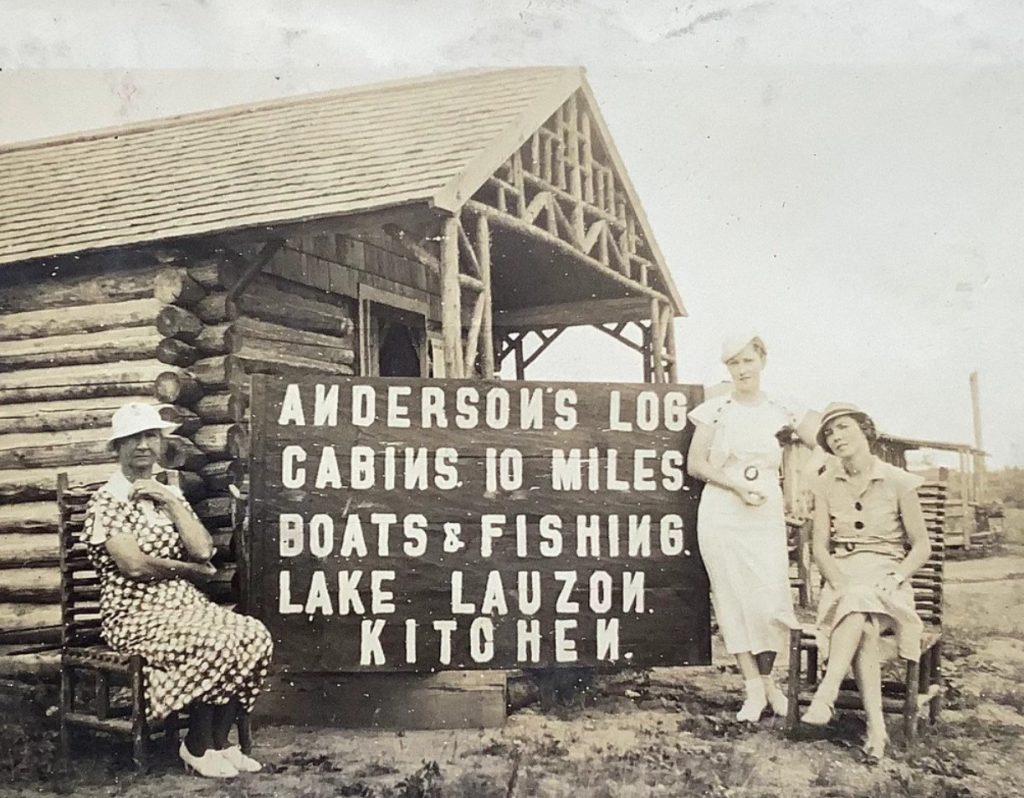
{"x": 291, "y": 407}
{"x": 291, "y": 475}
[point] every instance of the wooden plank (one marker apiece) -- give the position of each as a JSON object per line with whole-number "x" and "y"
{"x": 17, "y": 549}
{"x": 45, "y": 665}
{"x": 33, "y": 484}
{"x": 33, "y": 585}
{"x": 79, "y": 319}
{"x": 29, "y": 517}
{"x": 88, "y": 288}
{"x": 254, "y": 328}
{"x": 275, "y": 303}
{"x": 26, "y": 618}
{"x": 584, "y": 545}
{"x": 133, "y": 343}
{"x": 64, "y": 415}
{"x": 123, "y": 378}
{"x": 452, "y": 700}
{"x": 37, "y": 449}
{"x": 594, "y": 311}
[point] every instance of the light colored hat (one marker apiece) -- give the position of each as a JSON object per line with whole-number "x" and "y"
{"x": 832, "y": 412}
{"x": 135, "y": 417}
{"x": 734, "y": 344}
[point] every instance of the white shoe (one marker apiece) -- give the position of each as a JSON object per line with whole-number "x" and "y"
{"x": 210, "y": 765}
{"x": 752, "y": 708}
{"x": 819, "y": 713}
{"x": 241, "y": 762}
{"x": 776, "y": 698}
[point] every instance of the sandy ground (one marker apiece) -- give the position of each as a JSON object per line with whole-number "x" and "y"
{"x": 670, "y": 734}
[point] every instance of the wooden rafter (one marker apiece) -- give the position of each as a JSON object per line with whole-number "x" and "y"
{"x": 555, "y": 187}
{"x": 513, "y": 342}
{"x": 510, "y": 222}
{"x": 618, "y": 332}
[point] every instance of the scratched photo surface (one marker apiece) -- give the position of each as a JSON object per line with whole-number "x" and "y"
{"x": 430, "y": 290}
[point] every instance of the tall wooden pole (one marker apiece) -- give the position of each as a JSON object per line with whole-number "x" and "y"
{"x": 979, "y": 459}
{"x": 451, "y": 299}
{"x": 483, "y": 242}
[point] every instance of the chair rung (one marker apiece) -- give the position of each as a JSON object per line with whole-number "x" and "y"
{"x": 111, "y": 725}
{"x": 94, "y": 663}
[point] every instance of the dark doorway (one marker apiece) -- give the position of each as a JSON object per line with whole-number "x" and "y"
{"x": 398, "y": 355}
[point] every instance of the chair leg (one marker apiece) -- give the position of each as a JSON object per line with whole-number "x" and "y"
{"x": 102, "y": 695}
{"x": 67, "y": 688}
{"x": 793, "y": 682}
{"x": 244, "y": 731}
{"x": 138, "y": 714}
{"x": 171, "y": 737}
{"x": 910, "y": 702}
{"x": 935, "y": 705}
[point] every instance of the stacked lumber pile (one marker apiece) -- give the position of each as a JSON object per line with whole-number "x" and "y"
{"x": 928, "y": 581}
{"x": 74, "y": 346}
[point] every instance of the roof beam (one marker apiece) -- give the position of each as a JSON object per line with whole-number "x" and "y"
{"x": 524, "y": 228}
{"x": 592, "y": 311}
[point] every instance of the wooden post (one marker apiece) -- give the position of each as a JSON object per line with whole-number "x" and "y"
{"x": 647, "y": 349}
{"x": 138, "y": 712}
{"x": 910, "y": 702}
{"x": 980, "y": 487}
{"x": 793, "y": 685}
{"x": 559, "y": 177}
{"x": 576, "y": 168}
{"x": 588, "y": 159}
{"x": 520, "y": 359}
{"x": 670, "y": 341}
{"x": 657, "y": 341}
{"x": 483, "y": 243}
{"x": 451, "y": 299}
{"x": 967, "y": 523}
{"x": 519, "y": 182}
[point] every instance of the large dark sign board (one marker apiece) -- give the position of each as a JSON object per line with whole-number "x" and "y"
{"x": 421, "y": 525}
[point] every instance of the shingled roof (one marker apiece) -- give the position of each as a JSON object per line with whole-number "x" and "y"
{"x": 434, "y": 140}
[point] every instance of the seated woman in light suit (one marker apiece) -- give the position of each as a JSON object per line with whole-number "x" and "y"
{"x": 869, "y": 539}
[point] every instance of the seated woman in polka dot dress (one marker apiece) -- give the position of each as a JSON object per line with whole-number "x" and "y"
{"x": 149, "y": 547}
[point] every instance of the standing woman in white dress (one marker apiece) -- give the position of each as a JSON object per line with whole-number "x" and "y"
{"x": 741, "y": 524}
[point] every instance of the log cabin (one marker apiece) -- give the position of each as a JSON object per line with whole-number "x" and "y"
{"x": 451, "y": 226}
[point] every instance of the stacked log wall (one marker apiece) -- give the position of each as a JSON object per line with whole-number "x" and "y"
{"x": 77, "y": 342}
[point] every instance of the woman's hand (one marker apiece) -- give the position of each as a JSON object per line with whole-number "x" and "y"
{"x": 204, "y": 571}
{"x": 753, "y": 498}
{"x": 154, "y": 491}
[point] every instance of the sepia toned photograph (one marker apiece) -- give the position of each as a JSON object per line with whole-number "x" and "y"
{"x": 445, "y": 399}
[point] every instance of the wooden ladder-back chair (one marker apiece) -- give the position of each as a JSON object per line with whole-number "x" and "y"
{"x": 116, "y": 703}
{"x": 920, "y": 687}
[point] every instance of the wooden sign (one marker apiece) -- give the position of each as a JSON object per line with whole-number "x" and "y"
{"x": 424, "y": 525}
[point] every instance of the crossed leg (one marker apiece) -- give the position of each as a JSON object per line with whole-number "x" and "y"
{"x": 867, "y": 670}
{"x": 843, "y": 647}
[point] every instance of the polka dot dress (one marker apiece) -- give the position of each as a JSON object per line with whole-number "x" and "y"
{"x": 195, "y": 650}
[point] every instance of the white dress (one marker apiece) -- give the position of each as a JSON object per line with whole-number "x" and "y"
{"x": 744, "y": 547}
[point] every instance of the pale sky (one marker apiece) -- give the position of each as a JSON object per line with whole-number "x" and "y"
{"x": 847, "y": 177}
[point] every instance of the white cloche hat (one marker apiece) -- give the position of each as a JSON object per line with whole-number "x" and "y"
{"x": 135, "y": 417}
